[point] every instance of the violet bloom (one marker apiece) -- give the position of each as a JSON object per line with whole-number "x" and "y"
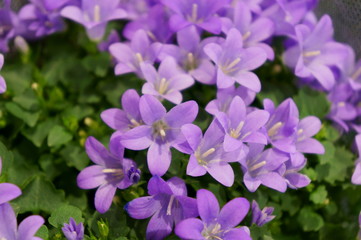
{"x": 160, "y": 132}
{"x": 126, "y": 119}
{"x": 290, "y": 170}
{"x": 235, "y": 63}
{"x": 315, "y": 53}
{"x": 94, "y": 15}
{"x": 167, "y": 82}
{"x": 215, "y": 223}
{"x": 2, "y": 80}
{"x": 225, "y": 97}
{"x": 200, "y": 13}
{"x": 261, "y": 217}
{"x": 356, "y": 176}
{"x": 207, "y": 154}
{"x": 261, "y": 167}
{"x": 240, "y": 127}
{"x": 9, "y": 229}
{"x": 111, "y": 39}
{"x": 306, "y": 129}
{"x": 8, "y": 191}
{"x": 254, "y": 31}
{"x": 168, "y": 204}
{"x": 129, "y": 57}
{"x": 73, "y": 231}
{"x": 111, "y": 171}
{"x": 8, "y": 22}
{"x": 190, "y": 55}
{"x": 42, "y": 17}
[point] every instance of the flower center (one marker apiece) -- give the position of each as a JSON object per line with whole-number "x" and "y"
{"x": 246, "y": 36}
{"x": 169, "y": 208}
{"x": 97, "y": 13}
{"x": 134, "y": 123}
{"x": 194, "y": 14}
{"x": 274, "y": 129}
{"x": 3, "y": 238}
{"x": 163, "y": 86}
{"x": 200, "y": 157}
{"x": 257, "y": 166}
{"x": 231, "y": 67}
{"x": 139, "y": 57}
{"x": 212, "y": 232}
{"x": 133, "y": 174}
{"x": 311, "y": 53}
{"x": 115, "y": 173}
{"x": 235, "y": 133}
{"x": 159, "y": 129}
{"x": 190, "y": 62}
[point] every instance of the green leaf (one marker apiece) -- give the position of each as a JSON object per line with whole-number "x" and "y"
{"x": 311, "y": 102}
{"x": 28, "y": 100}
{"x": 62, "y": 215}
{"x": 29, "y": 118}
{"x": 309, "y": 220}
{"x": 40, "y": 195}
{"x": 75, "y": 156}
{"x": 58, "y": 136}
{"x": 319, "y": 195}
{"x": 18, "y": 77}
{"x": 97, "y": 63}
{"x": 39, "y": 133}
{"x": 43, "y": 232}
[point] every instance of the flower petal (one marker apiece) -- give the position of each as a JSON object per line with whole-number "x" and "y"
{"x": 182, "y": 114}
{"x": 233, "y": 212}
{"x": 151, "y": 109}
{"x": 159, "y": 226}
{"x": 138, "y": 138}
{"x": 104, "y": 197}
{"x": 143, "y": 207}
{"x": 8, "y": 192}
{"x": 222, "y": 172}
{"x": 115, "y": 118}
{"x": 238, "y": 233}
{"x": 208, "y": 206}
{"x": 91, "y": 177}
{"x": 178, "y": 186}
{"x": 8, "y": 222}
{"x": 29, "y": 226}
{"x": 190, "y": 228}
{"x": 158, "y": 158}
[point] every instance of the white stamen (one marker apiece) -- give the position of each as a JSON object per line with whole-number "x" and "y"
{"x": 300, "y": 131}
{"x": 341, "y": 104}
{"x": 274, "y": 129}
{"x": 356, "y": 74}
{"x": 208, "y": 152}
{"x": 236, "y": 132}
{"x": 169, "y": 208}
{"x": 163, "y": 86}
{"x": 162, "y": 132}
{"x": 139, "y": 57}
{"x": 258, "y": 165}
{"x": 134, "y": 122}
{"x": 311, "y": 53}
{"x": 97, "y": 13}
{"x": 194, "y": 12}
{"x": 246, "y": 135}
{"x": 234, "y": 63}
{"x": 191, "y": 63}
{"x": 152, "y": 36}
{"x": 246, "y": 35}
{"x": 118, "y": 173}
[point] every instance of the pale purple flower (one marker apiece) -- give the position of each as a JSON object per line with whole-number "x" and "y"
{"x": 167, "y": 82}
{"x": 261, "y": 217}
{"x": 306, "y": 129}
{"x": 2, "y": 80}
{"x": 73, "y": 231}
{"x": 316, "y": 53}
{"x": 130, "y": 57}
{"x": 111, "y": 171}
{"x": 234, "y": 62}
{"x": 112, "y": 38}
{"x": 225, "y": 97}
{"x": 240, "y": 127}
{"x": 167, "y": 204}
{"x": 8, "y": 191}
{"x": 160, "y": 132}
{"x": 254, "y": 31}
{"x": 290, "y": 170}
{"x": 253, "y": 5}
{"x": 215, "y": 223}
{"x": 94, "y": 15}
{"x": 8, "y": 22}
{"x": 135, "y": 8}
{"x": 356, "y": 176}
{"x": 261, "y": 167}
{"x": 200, "y": 13}
{"x": 9, "y": 229}
{"x": 126, "y": 119}
{"x": 207, "y": 153}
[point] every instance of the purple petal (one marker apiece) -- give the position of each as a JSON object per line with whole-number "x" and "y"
{"x": 157, "y": 185}
{"x": 188, "y": 38}
{"x": 193, "y": 135}
{"x": 96, "y": 151}
{"x": 159, "y": 158}
{"x": 310, "y": 145}
{"x": 115, "y": 118}
{"x": 143, "y": 207}
{"x": 130, "y": 103}
{"x": 151, "y": 109}
{"x": 194, "y": 169}
{"x": 212, "y": 25}
{"x": 104, "y": 197}
{"x": 297, "y": 180}
{"x": 357, "y": 140}
{"x": 2, "y": 85}
{"x": 8, "y": 222}
{"x": 29, "y": 226}
{"x": 73, "y": 13}
{"x": 255, "y": 120}
{"x": 224, "y": 80}
{"x": 324, "y": 75}
{"x": 159, "y": 226}
{"x": 190, "y": 228}
{"x": 174, "y": 97}
{"x": 189, "y": 206}
{"x": 213, "y": 51}
{"x": 91, "y": 177}
{"x": 238, "y": 233}
{"x": 96, "y": 32}
{"x": 208, "y": 206}
{"x": 274, "y": 180}
{"x": 8, "y": 192}
{"x": 138, "y": 138}
{"x": 178, "y": 186}
{"x": 233, "y": 212}
{"x": 231, "y": 144}
{"x": 182, "y": 114}
{"x": 255, "y": 58}
{"x": 310, "y": 126}
{"x": 249, "y": 80}
{"x": 222, "y": 172}
{"x": 149, "y": 72}
{"x": 251, "y": 183}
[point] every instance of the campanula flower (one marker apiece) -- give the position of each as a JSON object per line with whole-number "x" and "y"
{"x": 261, "y": 217}
{"x": 111, "y": 171}
{"x": 290, "y": 170}
{"x": 234, "y": 63}
{"x": 73, "y": 231}
{"x": 94, "y": 15}
{"x": 167, "y": 205}
{"x": 8, "y": 23}
{"x": 215, "y": 223}
{"x": 9, "y": 229}
{"x": 167, "y": 82}
{"x": 160, "y": 132}
{"x": 2, "y": 80}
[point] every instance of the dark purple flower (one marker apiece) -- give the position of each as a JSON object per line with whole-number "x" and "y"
{"x": 2, "y": 80}
{"x": 8, "y": 191}
{"x": 215, "y": 223}
{"x": 130, "y": 57}
{"x": 111, "y": 171}
{"x": 200, "y": 13}
{"x": 167, "y": 82}
{"x": 168, "y": 204}
{"x": 160, "y": 132}
{"x": 112, "y": 38}
{"x": 241, "y": 127}
{"x": 235, "y": 62}
{"x": 94, "y": 15}
{"x": 261, "y": 217}
{"x": 261, "y": 167}
{"x": 8, "y": 23}
{"x": 9, "y": 229}
{"x": 73, "y": 231}
{"x": 126, "y": 119}
{"x": 356, "y": 176}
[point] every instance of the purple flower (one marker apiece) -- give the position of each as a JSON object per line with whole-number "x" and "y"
{"x": 235, "y": 63}
{"x": 111, "y": 171}
{"x": 359, "y": 223}
{"x": 167, "y": 82}
{"x": 215, "y": 223}
{"x": 73, "y": 231}
{"x": 241, "y": 127}
{"x": 112, "y": 38}
{"x": 200, "y": 13}
{"x": 168, "y": 204}
{"x": 315, "y": 53}
{"x": 356, "y": 176}
{"x": 259, "y": 217}
{"x": 94, "y": 15}
{"x": 8, "y": 225}
{"x": 126, "y": 119}
{"x": 290, "y": 170}
{"x": 225, "y": 97}
{"x": 207, "y": 154}
{"x": 135, "y": 8}
{"x": 160, "y": 132}
{"x": 8, "y": 22}
{"x": 190, "y": 55}
{"x": 8, "y": 191}
{"x": 254, "y": 32}
{"x": 261, "y": 167}
{"x": 2, "y": 80}
{"x": 129, "y": 57}
{"x": 306, "y": 129}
